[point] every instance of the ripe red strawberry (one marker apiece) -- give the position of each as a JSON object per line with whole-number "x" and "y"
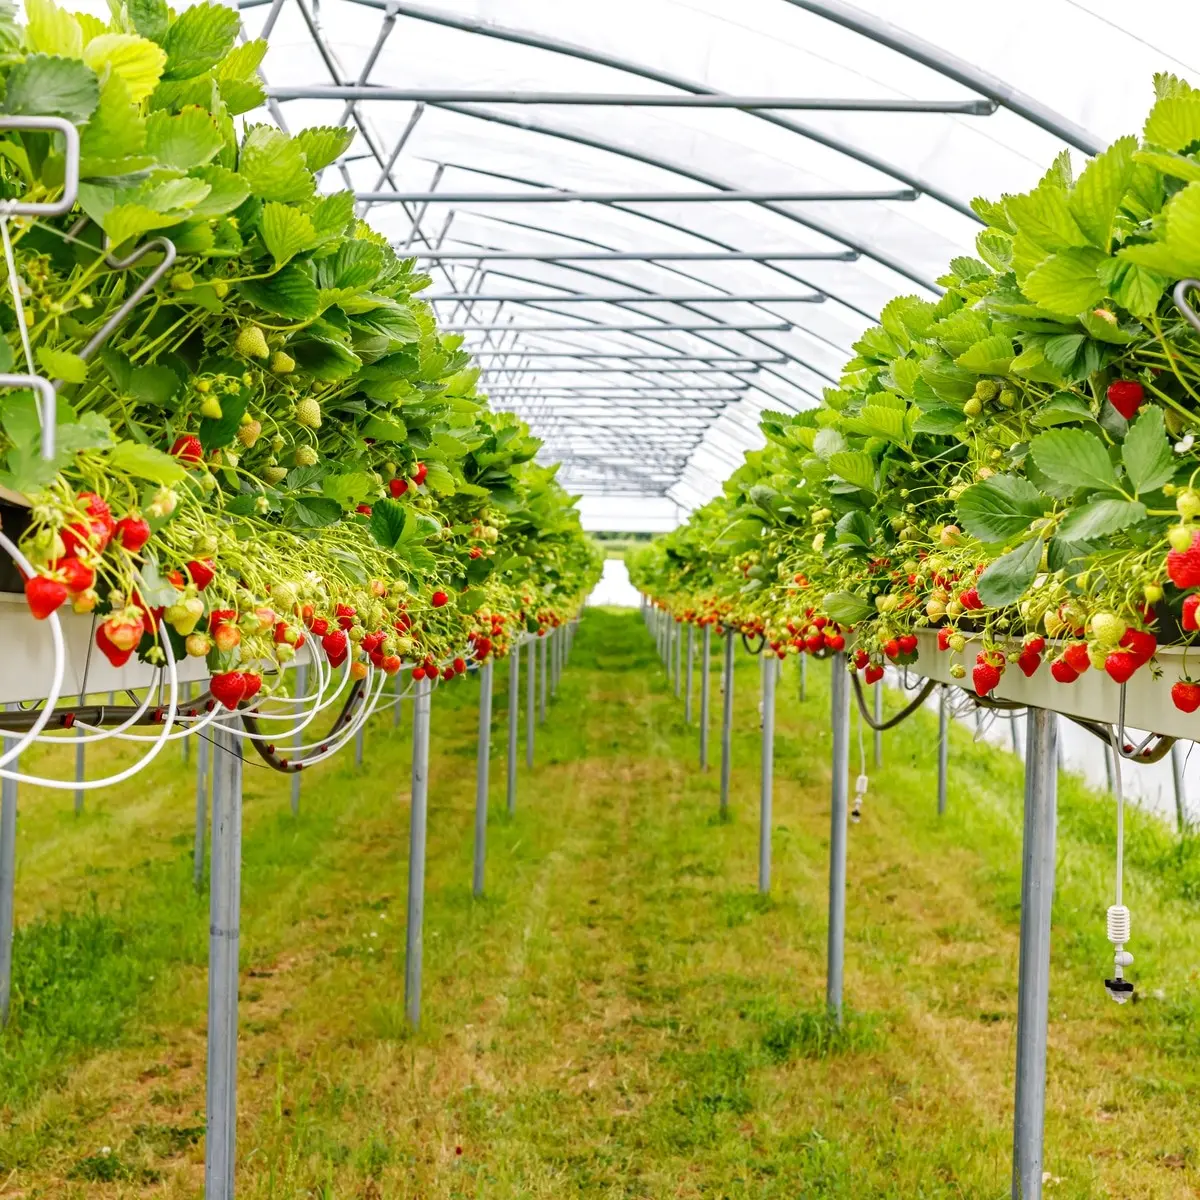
{"x": 391, "y": 664}
{"x": 892, "y": 648}
{"x": 1185, "y": 695}
{"x": 132, "y": 533}
{"x": 1120, "y": 665}
{"x": 188, "y": 450}
{"x": 1076, "y": 657}
{"x": 1063, "y": 671}
{"x": 229, "y": 688}
{"x": 943, "y": 642}
{"x": 1035, "y": 642}
{"x": 253, "y": 684}
{"x": 114, "y": 654}
{"x": 282, "y": 632}
{"x": 970, "y": 600}
{"x": 1126, "y": 396}
{"x": 345, "y": 615}
{"x": 220, "y": 616}
{"x": 76, "y": 575}
{"x": 820, "y": 622}
{"x": 908, "y": 643}
{"x": 873, "y": 674}
{"x": 1183, "y": 566}
{"x": 419, "y": 473}
{"x": 418, "y": 673}
{"x": 201, "y": 572}
{"x": 226, "y": 635}
{"x": 815, "y": 642}
{"x": 835, "y": 641}
{"x": 397, "y": 487}
{"x": 365, "y": 509}
{"x": 1140, "y": 644}
{"x": 319, "y": 626}
{"x": 334, "y": 644}
{"x": 1029, "y": 660}
{"x": 44, "y": 595}
{"x": 371, "y": 642}
{"x": 459, "y": 666}
{"x": 861, "y": 658}
{"x": 439, "y": 599}
{"x": 1190, "y": 604}
{"x": 483, "y": 647}
{"x": 985, "y": 676}
{"x": 475, "y": 552}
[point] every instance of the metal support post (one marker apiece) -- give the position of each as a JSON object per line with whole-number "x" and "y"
{"x": 678, "y": 658}
{"x": 691, "y": 655}
{"x": 531, "y": 701}
{"x": 225, "y": 887}
{"x": 185, "y": 744}
{"x": 359, "y": 737}
{"x": 482, "y": 763}
{"x": 8, "y": 882}
{"x": 769, "y": 672}
{"x": 803, "y": 677}
{"x": 396, "y": 703}
{"x": 414, "y": 930}
{"x": 878, "y": 718}
{"x": 203, "y": 754}
{"x": 1033, "y": 980}
{"x": 80, "y": 766}
{"x": 1181, "y": 813}
{"x": 727, "y": 721}
{"x": 705, "y": 655}
{"x": 514, "y": 705}
{"x": 544, "y": 655}
{"x": 943, "y": 746}
{"x": 301, "y": 690}
{"x": 840, "y": 720}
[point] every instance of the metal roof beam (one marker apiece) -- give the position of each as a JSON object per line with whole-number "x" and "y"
{"x": 763, "y": 256}
{"x": 628, "y": 298}
{"x": 556, "y": 197}
{"x": 657, "y": 327}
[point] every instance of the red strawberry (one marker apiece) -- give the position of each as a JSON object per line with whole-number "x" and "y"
{"x": 985, "y": 676}
{"x": 459, "y": 666}
{"x": 438, "y": 599}
{"x": 1140, "y": 644}
{"x": 835, "y": 641}
{"x": 1063, "y": 671}
{"x": 44, "y": 595}
{"x": 1120, "y": 665}
{"x": 820, "y": 622}
{"x": 397, "y": 487}
{"x": 114, "y": 654}
{"x": 418, "y": 673}
{"x": 1190, "y": 604}
{"x": 892, "y": 648}
{"x": 345, "y": 615}
{"x": 334, "y": 644}
{"x": 908, "y": 643}
{"x": 371, "y": 642}
{"x": 970, "y": 599}
{"x": 253, "y": 684}
{"x": 815, "y": 642}
{"x": 1076, "y": 657}
{"x": 391, "y": 664}
{"x": 77, "y": 576}
{"x": 220, "y": 616}
{"x": 1185, "y": 695}
{"x": 1126, "y": 396}
{"x": 861, "y": 659}
{"x": 319, "y": 626}
{"x": 188, "y": 450}
{"x": 201, "y": 572}
{"x": 1183, "y": 566}
{"x": 229, "y": 688}
{"x": 365, "y": 509}
{"x": 419, "y": 473}
{"x": 1029, "y": 661}
{"x": 132, "y": 533}
{"x": 873, "y": 674}
{"x": 1036, "y": 643}
{"x": 475, "y": 552}
{"x": 124, "y": 629}
{"x": 282, "y": 631}
{"x": 943, "y": 642}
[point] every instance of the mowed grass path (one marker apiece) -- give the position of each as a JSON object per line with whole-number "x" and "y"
{"x": 622, "y": 1015}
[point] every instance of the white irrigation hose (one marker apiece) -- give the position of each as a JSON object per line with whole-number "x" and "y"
{"x": 88, "y": 785}
{"x": 60, "y": 666}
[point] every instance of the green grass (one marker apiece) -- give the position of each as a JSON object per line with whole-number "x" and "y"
{"x": 622, "y": 1015}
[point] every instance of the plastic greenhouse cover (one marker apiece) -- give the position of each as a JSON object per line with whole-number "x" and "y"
{"x": 1086, "y": 62}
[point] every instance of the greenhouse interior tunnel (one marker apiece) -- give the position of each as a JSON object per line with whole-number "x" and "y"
{"x": 597, "y": 599}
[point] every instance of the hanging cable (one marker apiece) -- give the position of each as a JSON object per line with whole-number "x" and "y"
{"x": 1119, "y": 988}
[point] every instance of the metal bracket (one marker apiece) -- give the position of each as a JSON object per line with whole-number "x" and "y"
{"x": 1179, "y": 295}
{"x": 63, "y": 205}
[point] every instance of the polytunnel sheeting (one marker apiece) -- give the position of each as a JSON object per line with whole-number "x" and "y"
{"x": 641, "y": 379}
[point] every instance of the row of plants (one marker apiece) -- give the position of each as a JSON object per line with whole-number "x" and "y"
{"x": 1016, "y": 460}
{"x": 276, "y": 442}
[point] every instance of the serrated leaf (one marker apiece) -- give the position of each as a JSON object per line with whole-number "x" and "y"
{"x": 285, "y": 231}
{"x": 878, "y": 420}
{"x": 127, "y": 221}
{"x": 145, "y": 462}
{"x": 1174, "y": 122}
{"x": 242, "y": 95}
{"x": 993, "y": 213}
{"x": 1178, "y": 166}
{"x": 311, "y": 512}
{"x": 242, "y": 61}
{"x": 387, "y": 522}
{"x": 116, "y": 129}
{"x": 349, "y": 488}
{"x": 48, "y": 86}
{"x": 1136, "y": 289}
{"x": 991, "y": 356}
{"x": 355, "y": 264}
{"x": 845, "y": 607}
{"x": 184, "y": 140}
{"x": 62, "y": 364}
{"x": 854, "y": 467}
{"x": 1178, "y": 253}
{"x": 1100, "y": 518}
{"x": 438, "y": 479}
{"x": 1073, "y": 459}
{"x": 1146, "y": 453}
{"x": 1067, "y": 282}
{"x": 198, "y": 39}
{"x": 941, "y": 419}
{"x": 1006, "y": 579}
{"x": 135, "y": 60}
{"x": 331, "y": 215}
{"x": 273, "y": 167}
{"x": 1097, "y": 194}
{"x": 1062, "y": 408}
{"x": 226, "y": 192}
{"x": 321, "y": 144}
{"x": 1000, "y": 507}
{"x": 385, "y": 429}
{"x": 1044, "y": 218}
{"x": 52, "y": 30}
{"x": 323, "y": 358}
{"x": 150, "y": 18}
{"x": 290, "y": 293}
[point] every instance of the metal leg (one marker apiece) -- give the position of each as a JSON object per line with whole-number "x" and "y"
{"x": 878, "y": 717}
{"x": 224, "y": 920}
{"x": 8, "y": 881}
{"x": 556, "y": 666}
{"x": 943, "y": 745}
{"x": 514, "y": 705}
{"x": 840, "y": 719}
{"x": 1108, "y": 767}
{"x": 803, "y": 677}
{"x": 185, "y": 744}
{"x": 727, "y": 722}
{"x": 705, "y": 654}
{"x": 1033, "y": 981}
{"x": 482, "y": 763}
{"x": 691, "y": 655}
{"x": 359, "y": 737}
{"x": 414, "y": 932}
{"x": 769, "y": 671}
{"x": 202, "y": 773}
{"x": 80, "y": 759}
{"x": 397, "y": 702}
{"x": 678, "y": 658}
{"x": 1181, "y": 815}
{"x": 531, "y": 702}
{"x": 543, "y": 652}
{"x": 301, "y": 690}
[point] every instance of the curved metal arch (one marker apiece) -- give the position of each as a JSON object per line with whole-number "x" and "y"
{"x": 556, "y": 46}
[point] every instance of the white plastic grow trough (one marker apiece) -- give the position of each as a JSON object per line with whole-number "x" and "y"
{"x": 1093, "y": 696}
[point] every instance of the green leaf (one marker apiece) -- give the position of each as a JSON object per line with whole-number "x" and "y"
{"x": 52, "y": 30}
{"x": 1099, "y": 518}
{"x": 150, "y": 18}
{"x": 184, "y": 140}
{"x": 48, "y": 86}
{"x": 324, "y": 358}
{"x": 1062, "y": 409}
{"x": 1010, "y": 575}
{"x": 321, "y": 144}
{"x": 846, "y": 608}
{"x": 940, "y": 419}
{"x": 226, "y": 192}
{"x": 127, "y": 221}
{"x": 61, "y": 364}
{"x": 145, "y": 462}
{"x": 1000, "y": 507}
{"x": 877, "y": 420}
{"x": 290, "y": 292}
{"x": 1067, "y": 282}
{"x": 1178, "y": 253}
{"x": 438, "y": 479}
{"x": 242, "y": 95}
{"x": 273, "y": 166}
{"x": 387, "y": 523}
{"x": 116, "y": 128}
{"x": 135, "y": 60}
{"x": 332, "y": 215}
{"x": 285, "y": 231}
{"x": 220, "y": 431}
{"x": 991, "y": 356}
{"x": 198, "y": 39}
{"x": 1146, "y": 453}
{"x": 311, "y": 512}
{"x": 349, "y": 488}
{"x": 1136, "y": 289}
{"x": 1174, "y": 122}
{"x": 1073, "y": 459}
{"x": 1178, "y": 166}
{"x": 355, "y": 264}
{"x": 854, "y": 467}
{"x": 1097, "y": 194}
{"x": 1044, "y": 217}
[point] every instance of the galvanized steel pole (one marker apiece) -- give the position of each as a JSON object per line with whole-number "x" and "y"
{"x": 184, "y": 743}
{"x": 705, "y": 655}
{"x": 543, "y": 654}
{"x": 8, "y": 882}
{"x": 1181, "y": 813}
{"x": 943, "y": 746}
{"x": 531, "y": 701}
{"x": 691, "y": 654}
{"x": 399, "y": 688}
{"x": 727, "y": 722}
{"x": 840, "y": 720}
{"x": 1033, "y": 980}
{"x": 803, "y": 677}
{"x": 878, "y": 717}
{"x": 769, "y": 671}
{"x": 225, "y": 886}
{"x": 482, "y": 763}
{"x": 301, "y": 690}
{"x": 514, "y": 705}
{"x": 678, "y": 658}
{"x": 414, "y": 929}
{"x": 203, "y": 754}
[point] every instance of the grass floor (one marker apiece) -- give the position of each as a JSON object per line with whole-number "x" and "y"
{"x": 622, "y": 1015}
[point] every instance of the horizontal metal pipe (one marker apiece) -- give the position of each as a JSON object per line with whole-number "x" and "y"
{"x": 653, "y": 327}
{"x": 640, "y": 255}
{"x": 665, "y": 356}
{"x": 976, "y": 108}
{"x": 550, "y": 196}
{"x": 534, "y": 371}
{"x": 626, "y": 298}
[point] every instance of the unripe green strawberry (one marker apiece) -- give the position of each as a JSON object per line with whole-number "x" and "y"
{"x": 973, "y": 407}
{"x": 987, "y": 389}
{"x": 182, "y": 281}
{"x": 252, "y": 342}
{"x": 220, "y": 288}
{"x": 308, "y": 413}
{"x": 1007, "y": 397}
{"x": 249, "y": 433}
{"x": 282, "y": 364}
{"x": 1179, "y": 537}
{"x": 1187, "y": 503}
{"x": 305, "y": 456}
{"x": 277, "y": 442}
{"x": 274, "y": 475}
{"x": 210, "y": 407}
{"x": 1108, "y": 629}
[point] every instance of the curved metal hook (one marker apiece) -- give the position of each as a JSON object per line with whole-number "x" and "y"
{"x": 1179, "y": 295}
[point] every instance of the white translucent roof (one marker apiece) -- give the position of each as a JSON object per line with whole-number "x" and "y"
{"x": 1057, "y": 73}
